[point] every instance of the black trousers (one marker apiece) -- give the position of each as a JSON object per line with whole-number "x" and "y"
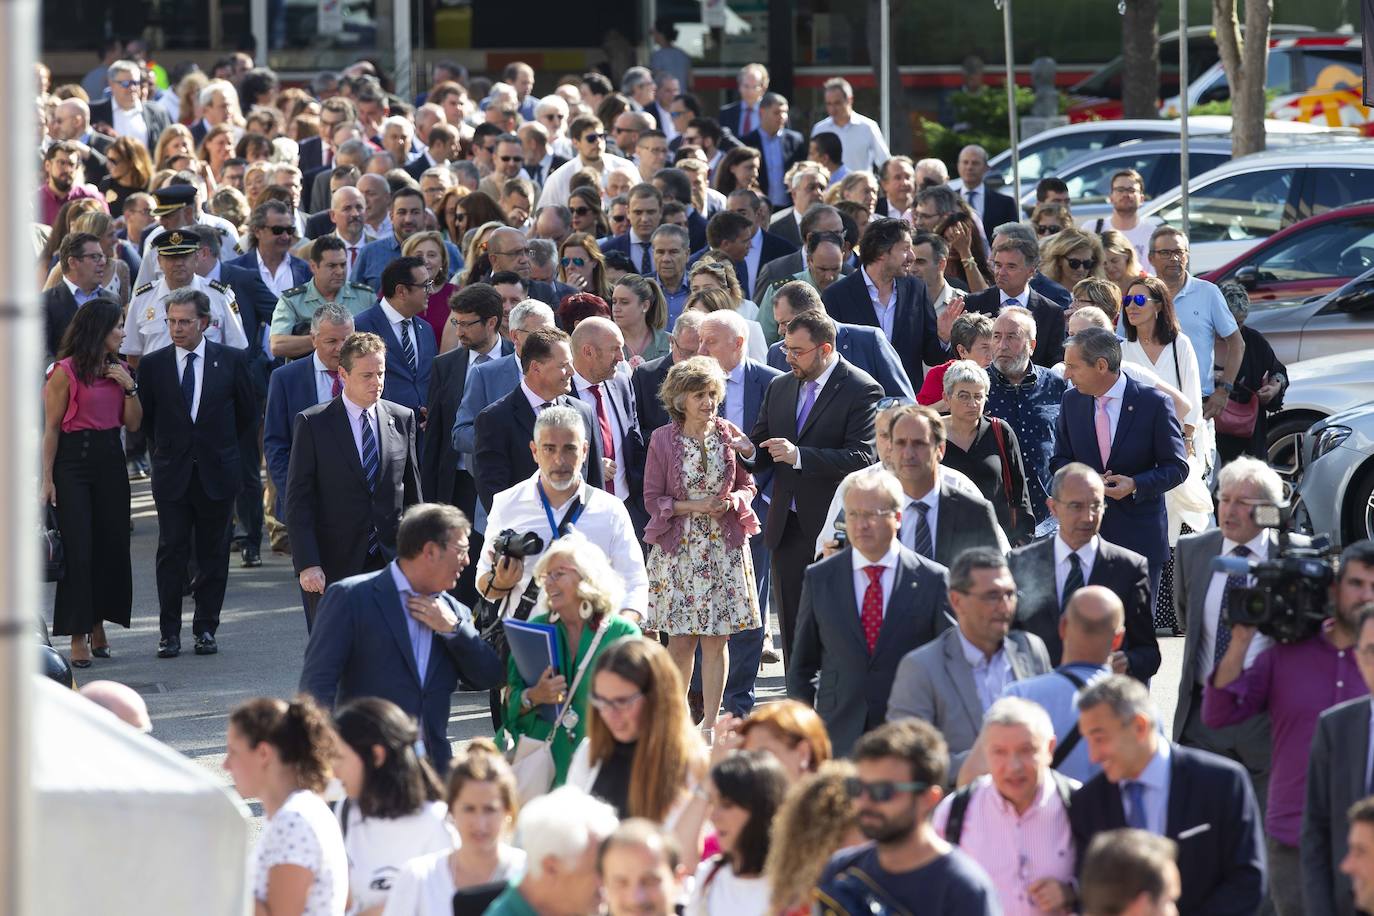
{"x": 464, "y": 496}
{"x": 793, "y": 554}
{"x": 93, "y": 515}
{"x": 192, "y": 519}
{"x": 248, "y": 505}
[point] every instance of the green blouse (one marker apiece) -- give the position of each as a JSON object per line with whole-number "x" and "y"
{"x": 530, "y": 722}
{"x": 661, "y": 345}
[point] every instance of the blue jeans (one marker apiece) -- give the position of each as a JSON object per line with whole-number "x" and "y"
{"x": 746, "y": 648}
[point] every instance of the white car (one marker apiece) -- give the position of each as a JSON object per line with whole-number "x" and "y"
{"x": 1317, "y": 389}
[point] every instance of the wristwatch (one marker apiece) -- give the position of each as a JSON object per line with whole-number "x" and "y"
{"x": 130, "y": 392}
{"x": 1226, "y": 386}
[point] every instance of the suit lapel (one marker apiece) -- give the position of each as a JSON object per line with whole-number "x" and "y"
{"x": 1358, "y": 745}
{"x": 1081, "y": 415}
{"x": 1179, "y": 798}
{"x": 846, "y": 606}
{"x": 1126, "y": 420}
{"x": 904, "y": 318}
{"x": 753, "y": 396}
{"x": 397, "y": 364}
{"x": 959, "y": 671}
{"x": 1019, "y": 659}
{"x": 343, "y": 433}
{"x": 897, "y": 617}
{"x": 393, "y": 612}
{"x": 944, "y": 518}
{"x": 863, "y": 300}
{"x": 524, "y": 413}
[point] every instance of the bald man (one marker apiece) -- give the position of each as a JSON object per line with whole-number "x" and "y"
{"x": 122, "y": 701}
{"x": 597, "y": 348}
{"x": 508, "y": 249}
{"x": 72, "y": 121}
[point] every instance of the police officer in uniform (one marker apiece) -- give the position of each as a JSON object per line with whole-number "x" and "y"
{"x": 146, "y": 325}
{"x": 290, "y": 334}
{"x": 178, "y": 208}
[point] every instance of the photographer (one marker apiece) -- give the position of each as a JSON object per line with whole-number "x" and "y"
{"x": 548, "y": 504}
{"x": 1294, "y": 682}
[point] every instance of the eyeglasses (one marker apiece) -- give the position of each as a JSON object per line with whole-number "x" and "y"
{"x": 574, "y": 262}
{"x": 1170, "y": 254}
{"x": 426, "y": 286}
{"x": 471, "y": 322}
{"x": 1137, "y": 299}
{"x": 864, "y": 516}
{"x": 615, "y": 704}
{"x": 798, "y": 353}
{"x": 1047, "y": 229}
{"x": 97, "y": 256}
{"x": 971, "y": 397}
{"x": 885, "y": 403}
{"x": 512, "y": 158}
{"x": 489, "y": 150}
{"x": 882, "y": 790}
{"x": 579, "y": 211}
{"x": 1076, "y": 264}
{"x": 1126, "y": 189}
{"x": 281, "y": 230}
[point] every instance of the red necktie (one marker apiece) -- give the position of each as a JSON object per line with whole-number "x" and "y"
{"x": 336, "y": 388}
{"x": 352, "y": 258}
{"x": 871, "y": 615}
{"x": 747, "y": 127}
{"x": 607, "y": 437}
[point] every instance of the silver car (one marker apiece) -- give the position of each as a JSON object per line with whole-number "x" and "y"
{"x": 1317, "y": 388}
{"x": 1336, "y": 495}
{"x": 1342, "y": 321}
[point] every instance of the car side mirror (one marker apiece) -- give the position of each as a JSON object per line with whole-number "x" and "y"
{"x": 1247, "y": 276}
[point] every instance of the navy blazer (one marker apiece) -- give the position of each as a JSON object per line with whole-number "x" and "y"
{"x": 866, "y": 348}
{"x": 1052, "y": 291}
{"x": 447, "y": 385}
{"x": 503, "y": 435}
{"x": 290, "y": 390}
{"x": 1214, "y": 818}
{"x": 256, "y": 302}
{"x": 794, "y": 149}
{"x": 1050, "y": 326}
{"x": 404, "y": 385}
{"x": 310, "y": 154}
{"x": 696, "y": 230}
{"x": 622, "y": 244}
{"x": 59, "y": 308}
{"x": 914, "y": 334}
{"x": 645, "y": 381}
{"x": 360, "y": 647}
{"x": 1148, "y": 447}
{"x": 631, "y": 449}
{"x": 487, "y": 384}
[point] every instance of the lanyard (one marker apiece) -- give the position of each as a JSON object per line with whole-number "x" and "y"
{"x": 555, "y": 530}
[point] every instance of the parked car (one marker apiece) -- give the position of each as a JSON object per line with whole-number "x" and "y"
{"x": 1317, "y": 388}
{"x": 1249, "y": 199}
{"x": 1339, "y": 322}
{"x": 1336, "y": 494}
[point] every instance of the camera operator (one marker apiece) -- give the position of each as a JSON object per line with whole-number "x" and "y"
{"x": 1294, "y": 682}
{"x": 551, "y": 501}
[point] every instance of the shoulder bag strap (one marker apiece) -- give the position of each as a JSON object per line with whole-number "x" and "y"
{"x": 954, "y": 827}
{"x": 1065, "y": 747}
{"x": 1178, "y": 372}
{"x": 577, "y": 679}
{"x": 1006, "y": 465}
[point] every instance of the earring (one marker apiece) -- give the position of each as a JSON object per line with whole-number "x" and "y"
{"x": 585, "y": 609}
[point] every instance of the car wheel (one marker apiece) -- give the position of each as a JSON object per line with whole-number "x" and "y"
{"x": 1358, "y": 518}
{"x": 1282, "y": 440}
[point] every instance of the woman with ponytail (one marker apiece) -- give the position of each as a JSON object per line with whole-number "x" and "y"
{"x": 394, "y": 809}
{"x": 279, "y": 753}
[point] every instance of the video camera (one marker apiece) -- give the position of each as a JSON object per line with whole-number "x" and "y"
{"x": 1288, "y": 601}
{"x": 517, "y": 546}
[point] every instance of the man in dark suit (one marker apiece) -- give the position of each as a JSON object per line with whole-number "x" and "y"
{"x": 815, "y": 426}
{"x": 779, "y": 148}
{"x": 508, "y": 250}
{"x": 805, "y": 184}
{"x": 490, "y": 382}
{"x": 764, "y": 246}
{"x": 597, "y": 348}
{"x": 84, "y": 268}
{"x": 1201, "y": 801}
{"x": 1049, "y": 571}
{"x": 505, "y": 429}
{"x": 396, "y": 635}
{"x": 406, "y": 287}
{"x": 674, "y": 184}
{"x": 351, "y": 474}
{"x": 743, "y": 117}
{"x": 1129, "y": 435}
{"x": 940, "y": 519}
{"x": 993, "y": 208}
{"x": 125, "y": 110}
{"x": 198, "y": 403}
{"x": 817, "y": 218}
{"x": 476, "y": 312}
{"x": 904, "y": 314}
{"x": 648, "y": 377}
{"x": 853, "y": 631}
{"x": 646, "y": 214}
{"x": 1013, "y": 263}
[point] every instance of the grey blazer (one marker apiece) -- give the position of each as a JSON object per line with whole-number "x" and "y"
{"x": 964, "y": 521}
{"x": 852, "y": 689}
{"x": 1335, "y": 781}
{"x": 935, "y": 683}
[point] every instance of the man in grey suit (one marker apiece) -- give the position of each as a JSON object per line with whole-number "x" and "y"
{"x": 1199, "y": 598}
{"x": 862, "y": 611}
{"x": 951, "y": 681}
{"x": 1337, "y": 777}
{"x": 940, "y": 520}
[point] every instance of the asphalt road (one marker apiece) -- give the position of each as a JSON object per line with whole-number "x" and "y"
{"x": 262, "y": 641}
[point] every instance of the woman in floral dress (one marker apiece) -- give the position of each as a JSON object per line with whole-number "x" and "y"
{"x": 699, "y": 495}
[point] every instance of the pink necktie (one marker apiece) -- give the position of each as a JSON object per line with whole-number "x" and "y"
{"x": 1104, "y": 430}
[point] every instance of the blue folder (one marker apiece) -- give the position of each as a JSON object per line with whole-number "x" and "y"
{"x": 534, "y": 646}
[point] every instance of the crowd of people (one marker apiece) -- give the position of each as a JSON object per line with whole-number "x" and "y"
{"x": 670, "y": 396}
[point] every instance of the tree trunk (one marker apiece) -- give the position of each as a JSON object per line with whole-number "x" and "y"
{"x": 1246, "y": 63}
{"x": 900, "y": 141}
{"x": 1140, "y": 59}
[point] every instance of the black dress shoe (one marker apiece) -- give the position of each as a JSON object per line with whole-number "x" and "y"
{"x": 205, "y": 644}
{"x": 169, "y": 647}
{"x": 251, "y": 557}
{"x": 101, "y": 651}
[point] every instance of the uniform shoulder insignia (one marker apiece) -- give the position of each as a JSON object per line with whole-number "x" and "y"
{"x": 144, "y": 288}
{"x": 296, "y": 290}
{"x": 221, "y": 286}
{"x": 234, "y": 306}
{"x": 357, "y": 285}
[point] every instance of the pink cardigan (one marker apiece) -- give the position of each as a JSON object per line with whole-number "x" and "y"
{"x": 663, "y": 486}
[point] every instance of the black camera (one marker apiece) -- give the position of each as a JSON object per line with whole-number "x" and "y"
{"x": 517, "y": 546}
{"x": 841, "y": 534}
{"x": 1288, "y": 601}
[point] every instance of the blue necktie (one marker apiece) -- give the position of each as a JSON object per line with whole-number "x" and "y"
{"x": 921, "y": 540}
{"x": 188, "y": 383}
{"x": 407, "y": 348}
{"x": 370, "y": 467}
{"x": 1135, "y": 809}
{"x": 1233, "y": 581}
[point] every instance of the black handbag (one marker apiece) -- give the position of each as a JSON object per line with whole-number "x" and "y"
{"x": 54, "y": 556}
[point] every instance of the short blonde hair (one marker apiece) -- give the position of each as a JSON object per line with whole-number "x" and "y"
{"x": 601, "y": 589}
{"x": 415, "y": 241}
{"x": 700, "y": 373}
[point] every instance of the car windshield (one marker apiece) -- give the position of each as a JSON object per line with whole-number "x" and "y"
{"x": 1249, "y": 205}
{"x": 1339, "y": 248}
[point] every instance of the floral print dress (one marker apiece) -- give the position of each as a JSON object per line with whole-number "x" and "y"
{"x": 705, "y": 588}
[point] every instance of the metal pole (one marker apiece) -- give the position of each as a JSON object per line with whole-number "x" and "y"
{"x": 400, "y": 29}
{"x": 257, "y": 21}
{"x": 19, "y": 319}
{"x": 1183, "y": 112}
{"x": 1011, "y": 101}
{"x": 885, "y": 68}
{"x": 650, "y": 17}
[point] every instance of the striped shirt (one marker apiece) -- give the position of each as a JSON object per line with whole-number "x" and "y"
{"x": 1016, "y": 850}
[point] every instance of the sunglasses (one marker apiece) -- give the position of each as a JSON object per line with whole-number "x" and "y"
{"x": 1137, "y": 299}
{"x": 282, "y": 230}
{"x": 880, "y": 791}
{"x": 1043, "y": 229}
{"x": 127, "y": 84}
{"x": 512, "y": 158}
{"x": 592, "y": 138}
{"x": 574, "y": 262}
{"x": 885, "y": 403}
{"x": 1075, "y": 264}
{"x": 579, "y": 211}
{"x": 622, "y": 218}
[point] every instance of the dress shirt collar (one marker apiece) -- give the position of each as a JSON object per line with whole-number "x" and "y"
{"x": 536, "y": 402}
{"x": 886, "y": 561}
{"x": 392, "y": 316}
{"x": 929, "y": 497}
{"x": 532, "y": 485}
{"x": 873, "y": 287}
{"x": 355, "y": 411}
{"x": 1022, "y": 298}
{"x": 319, "y": 366}
{"x": 756, "y": 243}
{"x": 1156, "y": 772}
{"x": 78, "y": 294}
{"x": 402, "y": 583}
{"x": 493, "y": 349}
{"x": 214, "y": 270}
{"x": 1046, "y": 796}
{"x": 1258, "y": 545}
{"x": 736, "y": 375}
{"x": 581, "y": 383}
{"x": 1087, "y": 553}
{"x": 199, "y": 351}
{"x": 974, "y": 655}
{"x": 824, "y": 376}
{"x": 1118, "y": 389}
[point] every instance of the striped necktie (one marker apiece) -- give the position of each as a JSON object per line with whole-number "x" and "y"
{"x": 371, "y": 464}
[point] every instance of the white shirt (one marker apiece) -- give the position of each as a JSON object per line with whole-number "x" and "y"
{"x": 355, "y": 423}
{"x": 638, "y": 249}
{"x": 1087, "y": 555}
{"x": 394, "y": 318}
{"x": 888, "y": 562}
{"x": 280, "y": 280}
{"x": 1211, "y": 611}
{"x": 324, "y": 380}
{"x": 536, "y": 402}
{"x": 147, "y": 319}
{"x": 990, "y": 675}
{"x": 861, "y": 139}
{"x": 305, "y": 832}
{"x": 556, "y": 187}
{"x": 752, "y": 259}
{"x": 584, "y": 392}
{"x": 378, "y": 847}
{"x": 726, "y": 892}
{"x": 603, "y": 521}
{"x": 975, "y": 196}
{"x": 197, "y": 368}
{"x": 1116, "y": 393}
{"x": 128, "y": 122}
{"x": 424, "y": 885}
{"x": 954, "y": 478}
{"x": 1022, "y": 298}
{"x": 886, "y": 311}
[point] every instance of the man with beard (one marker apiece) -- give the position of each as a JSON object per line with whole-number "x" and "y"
{"x": 64, "y": 179}
{"x": 906, "y": 866}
